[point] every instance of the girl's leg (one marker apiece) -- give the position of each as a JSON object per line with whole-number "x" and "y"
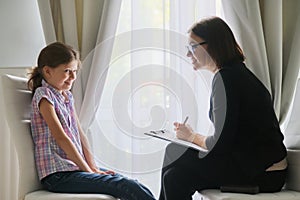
{"x": 84, "y": 182}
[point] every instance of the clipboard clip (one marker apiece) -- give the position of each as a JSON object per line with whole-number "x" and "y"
{"x": 159, "y": 131}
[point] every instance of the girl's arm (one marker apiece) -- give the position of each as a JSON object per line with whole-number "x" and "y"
{"x": 48, "y": 112}
{"x": 87, "y": 152}
{"x": 86, "y": 147}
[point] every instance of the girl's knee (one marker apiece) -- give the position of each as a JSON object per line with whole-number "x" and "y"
{"x": 132, "y": 189}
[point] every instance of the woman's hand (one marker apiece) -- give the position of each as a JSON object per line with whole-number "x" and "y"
{"x": 184, "y": 132}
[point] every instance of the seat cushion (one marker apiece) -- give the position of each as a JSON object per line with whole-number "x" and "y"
{"x": 45, "y": 195}
{"x": 218, "y": 195}
{"x": 291, "y": 191}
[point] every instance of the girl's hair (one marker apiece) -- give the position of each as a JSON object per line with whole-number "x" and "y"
{"x": 52, "y": 56}
{"x": 221, "y": 44}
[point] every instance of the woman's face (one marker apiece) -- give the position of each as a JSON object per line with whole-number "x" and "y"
{"x": 197, "y": 52}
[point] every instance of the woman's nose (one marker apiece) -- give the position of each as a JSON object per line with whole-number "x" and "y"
{"x": 189, "y": 53}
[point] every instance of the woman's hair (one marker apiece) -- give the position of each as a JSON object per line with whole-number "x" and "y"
{"x": 52, "y": 56}
{"x": 221, "y": 44}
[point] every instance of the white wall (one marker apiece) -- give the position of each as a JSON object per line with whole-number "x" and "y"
{"x": 21, "y": 34}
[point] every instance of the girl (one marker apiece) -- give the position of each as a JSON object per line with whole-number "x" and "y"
{"x": 63, "y": 159}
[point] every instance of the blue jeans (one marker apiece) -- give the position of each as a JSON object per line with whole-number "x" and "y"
{"x": 84, "y": 182}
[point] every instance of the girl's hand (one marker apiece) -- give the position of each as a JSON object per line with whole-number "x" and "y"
{"x": 184, "y": 132}
{"x": 98, "y": 171}
{"x": 110, "y": 172}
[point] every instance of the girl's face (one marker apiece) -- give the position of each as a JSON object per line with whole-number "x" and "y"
{"x": 197, "y": 52}
{"x": 62, "y": 76}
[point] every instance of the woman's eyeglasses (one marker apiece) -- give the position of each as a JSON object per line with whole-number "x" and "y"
{"x": 191, "y": 48}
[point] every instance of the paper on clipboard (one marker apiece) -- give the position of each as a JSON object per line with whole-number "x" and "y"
{"x": 171, "y": 137}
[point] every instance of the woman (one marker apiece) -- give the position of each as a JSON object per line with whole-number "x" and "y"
{"x": 247, "y": 146}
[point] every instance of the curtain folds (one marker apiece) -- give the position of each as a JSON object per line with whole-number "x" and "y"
{"x": 83, "y": 25}
{"x": 89, "y": 89}
{"x": 75, "y": 22}
{"x": 267, "y": 30}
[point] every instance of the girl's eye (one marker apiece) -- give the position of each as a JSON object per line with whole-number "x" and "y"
{"x": 70, "y": 71}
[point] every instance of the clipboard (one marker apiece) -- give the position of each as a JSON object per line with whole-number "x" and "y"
{"x": 170, "y": 136}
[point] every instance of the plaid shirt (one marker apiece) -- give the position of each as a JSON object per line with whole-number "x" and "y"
{"x": 49, "y": 157}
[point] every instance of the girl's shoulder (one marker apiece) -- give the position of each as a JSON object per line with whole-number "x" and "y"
{"x": 43, "y": 91}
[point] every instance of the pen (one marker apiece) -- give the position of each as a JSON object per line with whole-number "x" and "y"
{"x": 185, "y": 120}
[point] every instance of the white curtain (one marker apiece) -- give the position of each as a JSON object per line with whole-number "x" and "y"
{"x": 58, "y": 25}
{"x": 292, "y": 127}
{"x": 74, "y": 22}
{"x": 89, "y": 85}
{"x": 149, "y": 84}
{"x": 268, "y": 31}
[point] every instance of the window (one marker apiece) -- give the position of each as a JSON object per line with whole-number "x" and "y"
{"x": 150, "y": 84}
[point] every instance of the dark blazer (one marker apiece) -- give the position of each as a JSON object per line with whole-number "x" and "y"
{"x": 246, "y": 127}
